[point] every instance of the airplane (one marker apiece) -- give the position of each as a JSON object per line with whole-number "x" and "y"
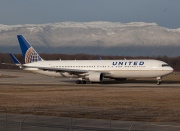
{"x": 91, "y": 70}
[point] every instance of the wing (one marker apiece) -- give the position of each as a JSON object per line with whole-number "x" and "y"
{"x": 70, "y": 71}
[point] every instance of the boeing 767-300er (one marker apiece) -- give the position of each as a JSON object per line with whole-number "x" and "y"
{"x": 90, "y": 70}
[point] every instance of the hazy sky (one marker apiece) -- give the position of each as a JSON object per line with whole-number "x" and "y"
{"x": 165, "y": 13}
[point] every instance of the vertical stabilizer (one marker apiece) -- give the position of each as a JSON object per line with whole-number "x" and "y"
{"x": 29, "y": 54}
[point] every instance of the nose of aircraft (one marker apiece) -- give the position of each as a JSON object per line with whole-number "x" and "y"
{"x": 171, "y": 69}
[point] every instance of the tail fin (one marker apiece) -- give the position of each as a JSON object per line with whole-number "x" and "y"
{"x": 29, "y": 54}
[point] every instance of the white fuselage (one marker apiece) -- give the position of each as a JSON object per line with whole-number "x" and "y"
{"x": 111, "y": 68}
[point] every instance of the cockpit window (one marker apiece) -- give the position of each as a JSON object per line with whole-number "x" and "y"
{"x": 163, "y": 65}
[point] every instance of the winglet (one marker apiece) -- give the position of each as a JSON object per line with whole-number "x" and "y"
{"x": 29, "y": 53}
{"x": 99, "y": 58}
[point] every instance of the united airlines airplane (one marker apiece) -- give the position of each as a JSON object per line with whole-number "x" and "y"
{"x": 91, "y": 70}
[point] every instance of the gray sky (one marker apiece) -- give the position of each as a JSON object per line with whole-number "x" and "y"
{"x": 165, "y": 13}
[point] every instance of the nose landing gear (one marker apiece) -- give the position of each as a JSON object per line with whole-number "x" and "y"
{"x": 159, "y": 80}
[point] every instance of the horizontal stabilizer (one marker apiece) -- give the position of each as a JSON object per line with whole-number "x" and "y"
{"x": 14, "y": 59}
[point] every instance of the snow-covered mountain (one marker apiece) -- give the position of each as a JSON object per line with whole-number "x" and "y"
{"x": 136, "y": 38}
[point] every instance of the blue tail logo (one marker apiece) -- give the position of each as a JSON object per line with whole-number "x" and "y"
{"x": 30, "y": 55}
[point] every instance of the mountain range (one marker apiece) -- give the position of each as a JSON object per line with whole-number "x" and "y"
{"x": 101, "y": 38}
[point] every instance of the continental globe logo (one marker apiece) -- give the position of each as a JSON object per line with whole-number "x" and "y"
{"x": 32, "y": 56}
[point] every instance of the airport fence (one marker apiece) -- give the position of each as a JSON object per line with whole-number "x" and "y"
{"x": 49, "y": 119}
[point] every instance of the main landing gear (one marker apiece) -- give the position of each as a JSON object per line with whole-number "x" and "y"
{"x": 159, "y": 80}
{"x": 80, "y": 82}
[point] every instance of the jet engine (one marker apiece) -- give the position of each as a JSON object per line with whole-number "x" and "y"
{"x": 95, "y": 77}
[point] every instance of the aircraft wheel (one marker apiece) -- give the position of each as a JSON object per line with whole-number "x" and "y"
{"x": 84, "y": 82}
{"x": 159, "y": 83}
{"x": 78, "y": 82}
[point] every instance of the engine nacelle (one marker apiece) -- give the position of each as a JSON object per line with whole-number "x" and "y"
{"x": 95, "y": 77}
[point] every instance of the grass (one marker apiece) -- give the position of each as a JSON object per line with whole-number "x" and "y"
{"x": 122, "y": 103}
{"x": 103, "y": 101}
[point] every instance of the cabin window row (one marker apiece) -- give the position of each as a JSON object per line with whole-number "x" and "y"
{"x": 91, "y": 66}
{"x": 79, "y": 66}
